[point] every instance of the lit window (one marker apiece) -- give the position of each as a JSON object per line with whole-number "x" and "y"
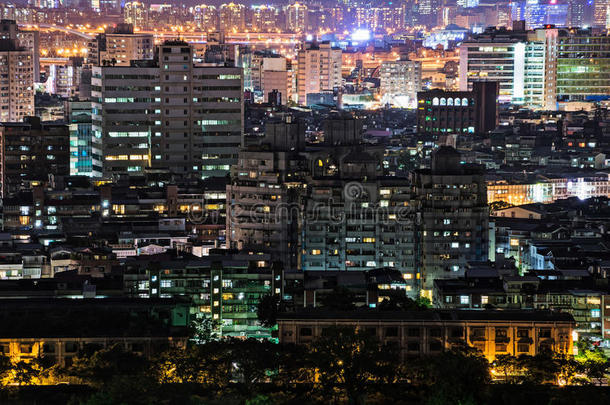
{"x": 464, "y": 299}
{"x": 484, "y": 299}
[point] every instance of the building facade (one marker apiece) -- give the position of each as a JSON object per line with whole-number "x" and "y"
{"x": 319, "y": 70}
{"x": 454, "y": 217}
{"x": 493, "y": 333}
{"x": 33, "y": 152}
{"x": 400, "y": 81}
{"x": 16, "y": 81}
{"x": 170, "y": 114}
{"x": 442, "y": 112}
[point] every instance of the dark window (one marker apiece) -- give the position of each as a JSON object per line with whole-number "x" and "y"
{"x": 413, "y": 332}
{"x": 306, "y": 332}
{"x": 71, "y": 347}
{"x": 48, "y": 348}
{"x": 370, "y": 330}
{"x": 413, "y": 346}
{"x": 391, "y": 331}
{"x": 523, "y": 347}
{"x": 545, "y": 333}
{"x": 435, "y": 346}
{"x": 501, "y": 333}
{"x": 435, "y": 332}
{"x": 457, "y": 332}
{"x": 137, "y": 347}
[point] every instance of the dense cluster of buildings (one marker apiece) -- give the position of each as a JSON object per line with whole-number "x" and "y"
{"x": 190, "y": 172}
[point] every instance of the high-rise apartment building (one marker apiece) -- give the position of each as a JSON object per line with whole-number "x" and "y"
{"x": 206, "y": 17}
{"x": 452, "y": 200}
{"x": 264, "y": 18}
{"x": 32, "y": 152}
{"x": 264, "y": 72}
{"x": 399, "y": 82}
{"x": 29, "y": 40}
{"x": 355, "y": 219}
{"x": 263, "y": 199}
{"x": 296, "y": 17}
{"x": 16, "y": 81}
{"x": 233, "y": 17}
{"x": 168, "y": 113}
{"x": 319, "y": 69}
{"x": 136, "y": 14}
{"x": 280, "y": 81}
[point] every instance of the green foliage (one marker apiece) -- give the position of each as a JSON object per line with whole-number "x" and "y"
{"x": 267, "y": 310}
{"x": 203, "y": 329}
{"x": 25, "y": 373}
{"x": 5, "y": 367}
{"x": 458, "y": 375}
{"x": 106, "y": 364}
{"x": 343, "y": 365}
{"x": 349, "y": 359}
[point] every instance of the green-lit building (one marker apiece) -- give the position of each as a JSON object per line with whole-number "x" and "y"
{"x": 224, "y": 287}
{"x": 583, "y": 64}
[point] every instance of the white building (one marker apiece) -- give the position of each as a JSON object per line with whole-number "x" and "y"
{"x": 523, "y": 62}
{"x": 319, "y": 70}
{"x": 399, "y": 83}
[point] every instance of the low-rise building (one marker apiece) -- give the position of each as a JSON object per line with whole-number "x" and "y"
{"x": 433, "y": 331}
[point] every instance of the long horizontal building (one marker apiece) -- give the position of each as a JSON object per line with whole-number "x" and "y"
{"x": 59, "y": 329}
{"x": 549, "y": 190}
{"x": 432, "y": 331}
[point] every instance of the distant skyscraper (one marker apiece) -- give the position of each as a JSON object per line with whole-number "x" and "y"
{"x": 538, "y": 13}
{"x": 580, "y": 13}
{"x": 136, "y": 14}
{"x": 600, "y": 14}
{"x": 264, "y": 18}
{"x": 233, "y": 17}
{"x": 296, "y": 17}
{"x": 206, "y": 17}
